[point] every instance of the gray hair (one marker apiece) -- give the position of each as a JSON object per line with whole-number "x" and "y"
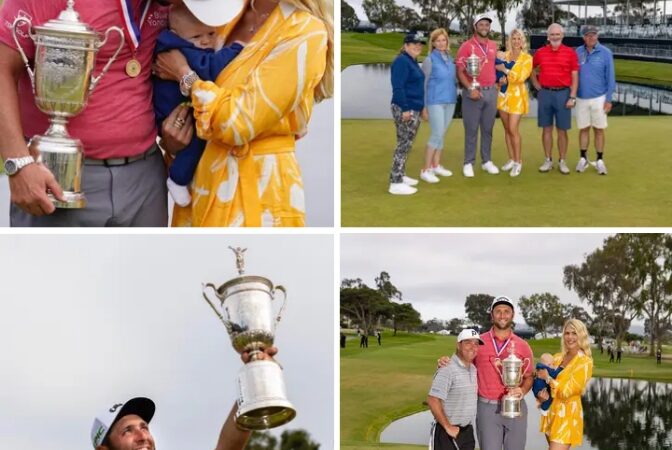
{"x": 555, "y": 25}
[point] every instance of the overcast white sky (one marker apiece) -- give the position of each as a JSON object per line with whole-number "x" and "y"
{"x": 88, "y": 321}
{"x": 436, "y": 272}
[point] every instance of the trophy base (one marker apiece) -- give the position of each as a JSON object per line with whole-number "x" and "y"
{"x": 266, "y": 416}
{"x": 73, "y": 200}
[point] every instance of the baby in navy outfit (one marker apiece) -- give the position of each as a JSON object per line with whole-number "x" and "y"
{"x": 539, "y": 384}
{"x": 501, "y": 59}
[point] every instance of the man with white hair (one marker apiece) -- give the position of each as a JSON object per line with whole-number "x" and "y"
{"x": 557, "y": 83}
{"x": 597, "y": 82}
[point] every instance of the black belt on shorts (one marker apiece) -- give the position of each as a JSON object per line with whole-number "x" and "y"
{"x": 109, "y": 162}
{"x": 561, "y": 88}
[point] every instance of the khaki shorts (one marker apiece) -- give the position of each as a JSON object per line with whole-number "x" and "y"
{"x": 590, "y": 113}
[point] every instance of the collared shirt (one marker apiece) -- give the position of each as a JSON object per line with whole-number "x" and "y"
{"x": 490, "y": 384}
{"x": 455, "y": 385}
{"x": 596, "y": 72}
{"x": 487, "y": 52}
{"x": 555, "y": 66}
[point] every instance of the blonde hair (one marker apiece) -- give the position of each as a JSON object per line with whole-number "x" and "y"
{"x": 519, "y": 32}
{"x": 581, "y": 334}
{"x": 435, "y": 35}
{"x": 323, "y": 10}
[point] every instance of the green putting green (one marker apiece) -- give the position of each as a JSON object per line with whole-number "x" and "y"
{"x": 636, "y": 192}
{"x": 382, "y": 384}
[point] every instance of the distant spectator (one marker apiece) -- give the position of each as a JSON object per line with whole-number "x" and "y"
{"x": 659, "y": 356}
{"x": 378, "y": 335}
{"x": 619, "y": 352}
{"x": 611, "y": 354}
{"x": 342, "y": 340}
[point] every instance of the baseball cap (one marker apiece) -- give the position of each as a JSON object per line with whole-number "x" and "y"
{"x": 501, "y": 300}
{"x": 214, "y": 12}
{"x": 414, "y": 38}
{"x": 102, "y": 424}
{"x": 469, "y": 333}
{"x": 589, "y": 29}
{"x": 480, "y": 17}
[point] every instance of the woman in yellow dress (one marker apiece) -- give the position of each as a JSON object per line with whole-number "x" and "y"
{"x": 253, "y": 113}
{"x": 563, "y": 425}
{"x": 514, "y": 104}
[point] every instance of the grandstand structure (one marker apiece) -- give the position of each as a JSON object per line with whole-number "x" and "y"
{"x": 644, "y": 39}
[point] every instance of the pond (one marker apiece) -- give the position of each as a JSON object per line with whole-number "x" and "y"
{"x": 366, "y": 92}
{"x": 618, "y": 414}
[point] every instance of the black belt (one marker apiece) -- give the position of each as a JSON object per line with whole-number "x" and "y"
{"x": 554, "y": 88}
{"x": 121, "y": 161}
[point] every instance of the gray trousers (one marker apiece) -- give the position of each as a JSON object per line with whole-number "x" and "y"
{"x": 495, "y": 431}
{"x": 133, "y": 195}
{"x": 478, "y": 113}
{"x": 406, "y": 132}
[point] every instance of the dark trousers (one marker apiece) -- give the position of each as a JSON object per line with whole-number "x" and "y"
{"x": 441, "y": 440}
{"x": 184, "y": 166}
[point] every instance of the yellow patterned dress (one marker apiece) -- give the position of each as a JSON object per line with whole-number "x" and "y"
{"x": 248, "y": 174}
{"x": 516, "y": 100}
{"x": 564, "y": 422}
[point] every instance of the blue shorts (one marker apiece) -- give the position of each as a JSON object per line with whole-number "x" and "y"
{"x": 552, "y": 105}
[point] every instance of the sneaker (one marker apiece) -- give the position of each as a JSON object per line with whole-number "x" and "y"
{"x": 468, "y": 170}
{"x": 508, "y": 166}
{"x": 440, "y": 170}
{"x": 428, "y": 176}
{"x": 401, "y": 189}
{"x": 490, "y": 168}
{"x": 410, "y": 181}
{"x": 563, "y": 167}
{"x": 180, "y": 194}
{"x": 582, "y": 164}
{"x": 601, "y": 167}
{"x": 516, "y": 169}
{"x": 546, "y": 166}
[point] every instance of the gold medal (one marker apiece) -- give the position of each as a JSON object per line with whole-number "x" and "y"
{"x": 133, "y": 68}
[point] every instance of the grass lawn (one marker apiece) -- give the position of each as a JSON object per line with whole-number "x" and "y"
{"x": 382, "y": 384}
{"x": 634, "y": 193}
{"x": 361, "y": 48}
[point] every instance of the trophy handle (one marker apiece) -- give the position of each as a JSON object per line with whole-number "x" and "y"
{"x": 19, "y": 20}
{"x": 226, "y": 323}
{"x": 529, "y": 363}
{"x": 284, "y": 301}
{"x": 95, "y": 80}
{"x": 498, "y": 364}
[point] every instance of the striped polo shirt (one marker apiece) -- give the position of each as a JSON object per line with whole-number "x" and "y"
{"x": 555, "y": 66}
{"x": 455, "y": 385}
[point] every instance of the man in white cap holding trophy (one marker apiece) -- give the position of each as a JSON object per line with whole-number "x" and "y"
{"x": 496, "y": 430}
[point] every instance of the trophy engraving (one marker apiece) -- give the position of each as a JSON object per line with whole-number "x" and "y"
{"x": 247, "y": 314}
{"x": 62, "y": 80}
{"x": 473, "y": 66}
{"x": 512, "y": 370}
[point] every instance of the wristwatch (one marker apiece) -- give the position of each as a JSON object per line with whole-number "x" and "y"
{"x": 13, "y": 165}
{"x": 187, "y": 82}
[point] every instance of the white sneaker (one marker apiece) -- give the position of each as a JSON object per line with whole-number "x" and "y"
{"x": 515, "y": 170}
{"x": 581, "y": 165}
{"x": 179, "y": 193}
{"x": 490, "y": 168}
{"x": 563, "y": 167}
{"x": 440, "y": 170}
{"x": 401, "y": 189}
{"x": 546, "y": 166}
{"x": 508, "y": 166}
{"x": 468, "y": 170}
{"x": 601, "y": 167}
{"x": 428, "y": 176}
{"x": 410, "y": 181}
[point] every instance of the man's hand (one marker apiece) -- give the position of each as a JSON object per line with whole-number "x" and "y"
{"x": 266, "y": 354}
{"x": 177, "y": 129}
{"x": 475, "y": 94}
{"x": 171, "y": 65}
{"x": 543, "y": 374}
{"x": 607, "y": 107}
{"x": 543, "y": 395}
{"x": 570, "y": 103}
{"x": 442, "y": 362}
{"x": 516, "y": 391}
{"x": 29, "y": 189}
{"x": 453, "y": 431}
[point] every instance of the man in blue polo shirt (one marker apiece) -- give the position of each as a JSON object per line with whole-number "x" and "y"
{"x": 597, "y": 83}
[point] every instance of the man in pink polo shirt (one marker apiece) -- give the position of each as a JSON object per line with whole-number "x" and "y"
{"x": 479, "y": 106}
{"x": 494, "y": 431}
{"x": 124, "y": 177}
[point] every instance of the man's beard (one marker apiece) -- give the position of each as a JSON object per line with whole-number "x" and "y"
{"x": 499, "y": 327}
{"x": 483, "y": 34}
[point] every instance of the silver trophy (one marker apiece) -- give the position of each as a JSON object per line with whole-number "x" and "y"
{"x": 473, "y": 65}
{"x": 65, "y": 54}
{"x": 511, "y": 370}
{"x": 248, "y": 316}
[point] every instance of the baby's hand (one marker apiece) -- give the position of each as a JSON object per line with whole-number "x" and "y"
{"x": 501, "y": 55}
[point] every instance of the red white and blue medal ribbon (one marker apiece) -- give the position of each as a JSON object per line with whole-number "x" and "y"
{"x": 132, "y": 30}
{"x": 498, "y": 350}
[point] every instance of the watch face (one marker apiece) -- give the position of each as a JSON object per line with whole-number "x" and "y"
{"x": 10, "y": 167}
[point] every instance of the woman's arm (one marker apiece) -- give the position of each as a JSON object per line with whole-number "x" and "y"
{"x": 573, "y": 383}
{"x": 520, "y": 71}
{"x": 274, "y": 88}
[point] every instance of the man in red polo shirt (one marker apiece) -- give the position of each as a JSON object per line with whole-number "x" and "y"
{"x": 124, "y": 177}
{"x": 557, "y": 84}
{"x": 493, "y": 430}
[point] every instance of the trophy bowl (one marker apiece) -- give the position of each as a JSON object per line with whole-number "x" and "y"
{"x": 511, "y": 373}
{"x": 473, "y": 65}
